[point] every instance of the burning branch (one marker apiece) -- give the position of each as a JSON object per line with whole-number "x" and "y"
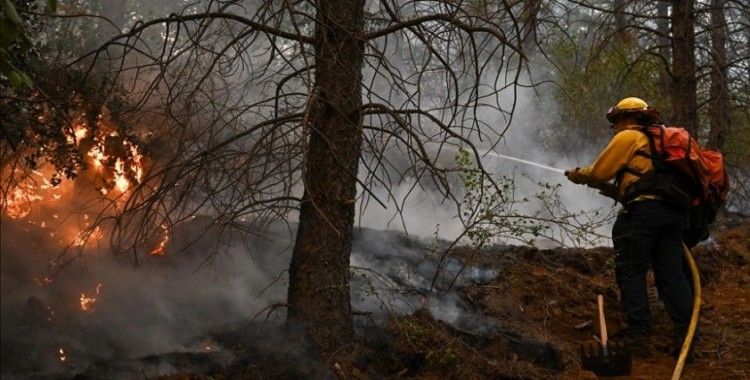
{"x": 160, "y": 249}
{"x": 87, "y": 302}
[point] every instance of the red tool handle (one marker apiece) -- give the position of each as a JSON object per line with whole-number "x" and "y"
{"x": 602, "y": 322}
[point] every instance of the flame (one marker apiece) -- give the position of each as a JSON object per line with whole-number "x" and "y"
{"x": 137, "y": 166}
{"x": 44, "y": 281}
{"x": 160, "y": 249}
{"x": 50, "y": 314}
{"x": 62, "y": 354}
{"x": 79, "y": 132}
{"x": 123, "y": 168}
{"x": 86, "y": 235}
{"x": 97, "y": 154}
{"x": 121, "y": 182}
{"x": 18, "y": 203}
{"x": 87, "y": 303}
{"x": 207, "y": 344}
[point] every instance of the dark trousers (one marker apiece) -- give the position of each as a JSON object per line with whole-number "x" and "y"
{"x": 651, "y": 233}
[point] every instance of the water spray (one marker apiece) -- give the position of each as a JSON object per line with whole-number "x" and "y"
{"x": 520, "y": 160}
{"x": 527, "y": 162}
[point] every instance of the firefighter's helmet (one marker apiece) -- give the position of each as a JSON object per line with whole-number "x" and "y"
{"x": 635, "y": 107}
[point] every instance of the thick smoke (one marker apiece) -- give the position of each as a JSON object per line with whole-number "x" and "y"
{"x": 428, "y": 213}
{"x": 165, "y": 304}
{"x": 177, "y": 303}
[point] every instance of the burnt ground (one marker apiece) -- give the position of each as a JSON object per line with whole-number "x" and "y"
{"x": 525, "y": 322}
{"x": 532, "y": 317}
{"x": 550, "y": 295}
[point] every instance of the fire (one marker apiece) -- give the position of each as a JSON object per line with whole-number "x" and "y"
{"x": 18, "y": 204}
{"x": 79, "y": 132}
{"x": 87, "y": 303}
{"x": 97, "y": 156}
{"x": 207, "y": 344}
{"x": 114, "y": 158}
{"x": 121, "y": 182}
{"x": 62, "y": 354}
{"x": 50, "y": 314}
{"x": 160, "y": 249}
{"x": 86, "y": 235}
{"x": 122, "y": 171}
{"x": 44, "y": 281}
{"x": 137, "y": 166}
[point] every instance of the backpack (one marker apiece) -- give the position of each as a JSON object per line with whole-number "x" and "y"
{"x": 692, "y": 177}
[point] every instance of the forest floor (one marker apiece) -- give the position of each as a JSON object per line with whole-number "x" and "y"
{"x": 545, "y": 302}
{"x": 549, "y": 295}
{"x": 530, "y": 320}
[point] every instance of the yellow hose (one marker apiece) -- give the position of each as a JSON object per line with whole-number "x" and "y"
{"x": 693, "y": 318}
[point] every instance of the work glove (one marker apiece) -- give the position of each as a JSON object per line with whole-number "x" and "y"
{"x": 608, "y": 190}
{"x": 575, "y": 176}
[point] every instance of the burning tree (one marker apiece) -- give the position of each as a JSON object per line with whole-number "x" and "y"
{"x": 256, "y": 113}
{"x": 271, "y": 101}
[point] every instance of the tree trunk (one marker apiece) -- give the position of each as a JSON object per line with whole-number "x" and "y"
{"x": 319, "y": 299}
{"x": 529, "y": 16}
{"x": 684, "y": 101}
{"x": 621, "y": 21}
{"x": 662, "y": 25}
{"x": 116, "y": 11}
{"x": 719, "y": 110}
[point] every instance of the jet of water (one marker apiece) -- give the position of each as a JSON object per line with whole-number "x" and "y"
{"x": 550, "y": 168}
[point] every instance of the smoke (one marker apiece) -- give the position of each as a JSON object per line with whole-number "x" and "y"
{"x": 166, "y": 304}
{"x": 418, "y": 209}
{"x": 176, "y": 304}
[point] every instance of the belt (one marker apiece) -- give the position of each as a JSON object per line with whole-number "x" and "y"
{"x": 646, "y": 197}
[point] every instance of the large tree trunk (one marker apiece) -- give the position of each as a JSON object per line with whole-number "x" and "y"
{"x": 662, "y": 25}
{"x": 719, "y": 110}
{"x": 684, "y": 100}
{"x": 319, "y": 300}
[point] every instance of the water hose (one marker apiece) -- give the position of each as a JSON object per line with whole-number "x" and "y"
{"x": 693, "y": 318}
{"x": 693, "y": 271}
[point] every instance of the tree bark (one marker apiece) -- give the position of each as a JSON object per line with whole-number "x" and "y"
{"x": 318, "y": 298}
{"x": 719, "y": 109}
{"x": 662, "y": 25}
{"x": 116, "y": 11}
{"x": 684, "y": 100}
{"x": 621, "y": 21}
{"x": 529, "y": 16}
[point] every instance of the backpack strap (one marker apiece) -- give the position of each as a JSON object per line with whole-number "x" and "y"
{"x": 646, "y": 180}
{"x": 649, "y": 155}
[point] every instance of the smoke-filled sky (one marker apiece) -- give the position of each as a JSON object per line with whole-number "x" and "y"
{"x": 174, "y": 302}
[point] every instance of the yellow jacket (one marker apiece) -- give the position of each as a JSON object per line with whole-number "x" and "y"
{"x": 627, "y": 149}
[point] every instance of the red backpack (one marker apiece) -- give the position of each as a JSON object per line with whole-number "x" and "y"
{"x": 678, "y": 149}
{"x": 691, "y": 176}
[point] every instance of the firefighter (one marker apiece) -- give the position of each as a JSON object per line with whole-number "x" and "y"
{"x": 648, "y": 230}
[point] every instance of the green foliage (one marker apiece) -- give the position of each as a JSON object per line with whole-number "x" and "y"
{"x": 42, "y": 101}
{"x": 590, "y": 79}
{"x": 490, "y": 216}
{"x": 39, "y": 125}
{"x": 14, "y": 42}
